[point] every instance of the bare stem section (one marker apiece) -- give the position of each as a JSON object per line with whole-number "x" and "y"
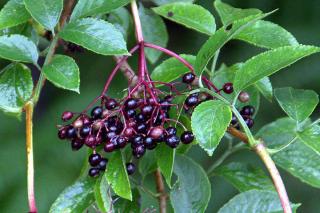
{"x": 261, "y": 150}
{"x": 161, "y": 191}
{"x": 30, "y": 163}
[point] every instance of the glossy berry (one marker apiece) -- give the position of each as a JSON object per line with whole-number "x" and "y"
{"x": 90, "y": 141}
{"x": 150, "y": 143}
{"x": 137, "y": 140}
{"x": 86, "y": 120}
{"x": 140, "y": 118}
{"x": 156, "y": 132}
{"x": 71, "y": 132}
{"x": 147, "y": 110}
{"x": 165, "y": 105}
{"x": 188, "y": 78}
{"x": 131, "y": 103}
{"x": 234, "y": 120}
{"x": 94, "y": 172}
{"x": 191, "y": 101}
{"x": 228, "y": 88}
{"x": 172, "y": 141}
{"x": 84, "y": 131}
{"x": 110, "y": 135}
{"x": 94, "y": 159}
{"x": 247, "y": 110}
{"x": 102, "y": 164}
{"x": 121, "y": 141}
{"x": 67, "y": 115}
{"x": 244, "y": 97}
{"x": 130, "y": 113}
{"x": 77, "y": 123}
{"x": 111, "y": 104}
{"x": 249, "y": 121}
{"x": 131, "y": 168}
{"x": 76, "y": 144}
{"x": 138, "y": 151}
{"x": 187, "y": 137}
{"x": 129, "y": 132}
{"x": 62, "y": 133}
{"x": 171, "y": 131}
{"x": 142, "y": 128}
{"x": 109, "y": 147}
{"x": 160, "y": 118}
{"x": 96, "y": 112}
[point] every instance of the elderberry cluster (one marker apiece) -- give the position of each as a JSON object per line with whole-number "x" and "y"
{"x": 246, "y": 112}
{"x": 141, "y": 122}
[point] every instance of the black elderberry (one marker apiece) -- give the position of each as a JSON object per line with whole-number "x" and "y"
{"x": 131, "y": 103}
{"x": 192, "y": 100}
{"x": 130, "y": 113}
{"x": 113, "y": 128}
{"x": 142, "y": 128}
{"x": 102, "y": 164}
{"x": 96, "y": 112}
{"x": 156, "y": 132}
{"x": 109, "y": 147}
{"x": 165, "y": 105}
{"x": 138, "y": 151}
{"x": 62, "y": 133}
{"x": 121, "y": 141}
{"x": 188, "y": 78}
{"x": 228, "y": 88}
{"x": 234, "y": 120}
{"x": 131, "y": 168}
{"x": 160, "y": 118}
{"x": 94, "y": 159}
{"x": 71, "y": 132}
{"x": 86, "y": 120}
{"x": 110, "y": 135}
{"x": 247, "y": 110}
{"x": 136, "y": 140}
{"x": 249, "y": 121}
{"x": 129, "y": 132}
{"x": 67, "y": 115}
{"x": 84, "y": 131}
{"x": 147, "y": 110}
{"x": 140, "y": 118}
{"x": 150, "y": 143}
{"x": 94, "y": 172}
{"x": 110, "y": 104}
{"x": 187, "y": 137}
{"x": 172, "y": 141}
{"x": 76, "y": 144}
{"x": 90, "y": 141}
{"x": 171, "y": 131}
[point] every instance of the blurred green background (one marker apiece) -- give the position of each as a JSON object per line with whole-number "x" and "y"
{"x": 57, "y": 166}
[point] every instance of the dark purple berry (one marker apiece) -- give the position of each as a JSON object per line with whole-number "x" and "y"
{"x": 249, "y": 121}
{"x": 94, "y": 159}
{"x": 138, "y": 151}
{"x": 84, "y": 131}
{"x": 147, "y": 110}
{"x": 130, "y": 113}
{"x": 150, "y": 143}
{"x": 102, "y": 164}
{"x": 247, "y": 110}
{"x": 86, "y": 120}
{"x": 160, "y": 118}
{"x": 137, "y": 140}
{"x": 188, "y": 78}
{"x": 131, "y": 103}
{"x": 187, "y": 137}
{"x": 142, "y": 128}
{"x": 62, "y": 133}
{"x": 129, "y": 132}
{"x": 76, "y": 144}
{"x": 67, "y": 115}
{"x": 121, "y": 141}
{"x": 94, "y": 172}
{"x": 192, "y": 100}
{"x": 171, "y": 131}
{"x": 111, "y": 104}
{"x": 96, "y": 112}
{"x": 228, "y": 88}
{"x": 131, "y": 168}
{"x": 156, "y": 132}
{"x": 109, "y": 147}
{"x": 71, "y": 132}
{"x": 234, "y": 120}
{"x": 172, "y": 141}
{"x": 110, "y": 135}
{"x": 90, "y": 141}
{"x": 140, "y": 118}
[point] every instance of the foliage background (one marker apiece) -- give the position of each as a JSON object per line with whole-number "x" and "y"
{"x": 57, "y": 166}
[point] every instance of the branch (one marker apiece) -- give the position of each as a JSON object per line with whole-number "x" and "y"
{"x": 127, "y": 71}
{"x": 161, "y": 191}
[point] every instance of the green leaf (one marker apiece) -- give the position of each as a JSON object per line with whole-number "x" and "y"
{"x": 93, "y": 7}
{"x": 126, "y": 206}
{"x": 229, "y": 14}
{"x": 16, "y": 87}
{"x": 297, "y": 103}
{"x": 96, "y": 35}
{"x": 270, "y": 62}
{"x": 13, "y": 13}
{"x": 220, "y": 38}
{"x": 209, "y": 122}
{"x": 171, "y": 69}
{"x": 244, "y": 177}
{"x": 47, "y": 13}
{"x": 190, "y": 15}
{"x": 154, "y": 31}
{"x": 192, "y": 191}
{"x": 117, "y": 176}
{"x": 18, "y": 48}
{"x": 165, "y": 166}
{"x": 265, "y": 87}
{"x": 148, "y": 163}
{"x": 102, "y": 195}
{"x": 63, "y": 72}
{"x": 298, "y": 159}
{"x": 161, "y": 2}
{"x": 75, "y": 198}
{"x": 255, "y": 201}
{"x": 267, "y": 34}
{"x": 121, "y": 19}
{"x": 311, "y": 137}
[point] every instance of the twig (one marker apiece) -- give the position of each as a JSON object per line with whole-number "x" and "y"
{"x": 161, "y": 190}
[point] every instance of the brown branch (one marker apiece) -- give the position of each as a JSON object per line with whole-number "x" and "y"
{"x": 161, "y": 191}
{"x": 127, "y": 71}
{"x": 238, "y": 134}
